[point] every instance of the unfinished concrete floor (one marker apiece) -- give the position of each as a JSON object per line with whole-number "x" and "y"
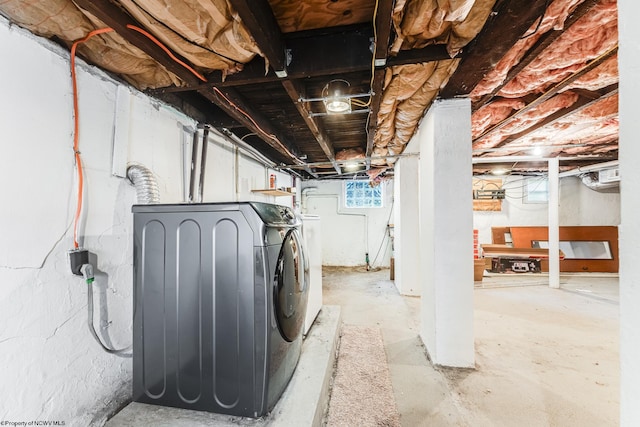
{"x": 544, "y": 357}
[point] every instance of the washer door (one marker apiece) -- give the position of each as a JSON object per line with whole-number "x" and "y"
{"x": 290, "y": 287}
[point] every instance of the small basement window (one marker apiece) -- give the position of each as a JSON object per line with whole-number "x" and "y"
{"x": 359, "y": 194}
{"x": 536, "y": 190}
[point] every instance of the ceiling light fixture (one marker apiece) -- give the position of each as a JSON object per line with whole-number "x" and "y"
{"x": 336, "y": 97}
{"x": 500, "y": 171}
{"x": 351, "y": 166}
{"x": 536, "y": 151}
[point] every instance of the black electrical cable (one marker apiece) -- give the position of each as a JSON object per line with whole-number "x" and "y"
{"x": 525, "y": 184}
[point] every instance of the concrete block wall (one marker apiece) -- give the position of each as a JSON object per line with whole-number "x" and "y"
{"x": 51, "y": 369}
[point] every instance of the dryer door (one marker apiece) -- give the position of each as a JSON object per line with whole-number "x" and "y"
{"x": 290, "y": 287}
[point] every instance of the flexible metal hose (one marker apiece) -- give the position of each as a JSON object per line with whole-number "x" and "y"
{"x": 146, "y": 186}
{"x": 87, "y": 272}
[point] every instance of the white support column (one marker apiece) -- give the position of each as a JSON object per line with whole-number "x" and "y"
{"x": 406, "y": 226}
{"x": 629, "y": 230}
{"x": 554, "y": 223}
{"x": 446, "y": 233}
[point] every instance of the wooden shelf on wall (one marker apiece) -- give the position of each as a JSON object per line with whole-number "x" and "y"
{"x": 273, "y": 192}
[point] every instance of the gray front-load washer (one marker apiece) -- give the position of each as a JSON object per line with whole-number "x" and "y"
{"x": 219, "y": 304}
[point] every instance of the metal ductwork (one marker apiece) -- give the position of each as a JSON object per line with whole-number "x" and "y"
{"x": 592, "y": 181}
{"x": 145, "y": 183}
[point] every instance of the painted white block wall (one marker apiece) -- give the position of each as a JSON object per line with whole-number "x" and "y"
{"x": 407, "y": 226}
{"x": 579, "y": 205}
{"x": 347, "y": 233}
{"x": 629, "y": 61}
{"x": 52, "y": 369}
{"x": 222, "y": 174}
{"x": 446, "y": 233}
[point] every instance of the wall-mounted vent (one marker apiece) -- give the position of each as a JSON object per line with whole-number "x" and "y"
{"x": 609, "y": 175}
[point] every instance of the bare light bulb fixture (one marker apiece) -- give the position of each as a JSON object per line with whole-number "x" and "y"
{"x": 500, "y": 171}
{"x": 351, "y": 166}
{"x": 336, "y": 97}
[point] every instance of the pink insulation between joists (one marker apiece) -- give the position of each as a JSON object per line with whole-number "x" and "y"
{"x": 604, "y": 75}
{"x": 493, "y": 113}
{"x": 590, "y": 126}
{"x": 604, "y": 108}
{"x": 591, "y": 36}
{"x": 523, "y": 122}
{"x": 350, "y": 154}
{"x": 554, "y": 18}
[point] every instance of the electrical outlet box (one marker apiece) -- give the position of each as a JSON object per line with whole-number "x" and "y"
{"x": 77, "y": 258}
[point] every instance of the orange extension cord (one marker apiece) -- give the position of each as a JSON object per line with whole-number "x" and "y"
{"x": 76, "y": 118}
{"x": 76, "y": 126}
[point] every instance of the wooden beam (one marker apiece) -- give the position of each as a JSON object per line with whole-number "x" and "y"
{"x": 383, "y": 30}
{"x": 227, "y": 99}
{"x": 593, "y": 94}
{"x": 261, "y": 23}
{"x": 296, "y": 92}
{"x": 258, "y": 17}
{"x": 200, "y": 108}
{"x": 581, "y": 104}
{"x": 382, "y": 38}
{"x": 350, "y": 54}
{"x": 510, "y": 21}
{"x": 542, "y": 43}
{"x": 374, "y": 108}
{"x": 551, "y": 92}
{"x": 336, "y": 53}
{"x": 234, "y": 105}
{"x": 610, "y": 142}
{"x": 434, "y": 52}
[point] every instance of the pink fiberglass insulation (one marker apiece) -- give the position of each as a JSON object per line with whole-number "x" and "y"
{"x": 350, "y": 154}
{"x": 591, "y": 36}
{"x": 592, "y": 125}
{"x": 493, "y": 113}
{"x": 604, "y": 75}
{"x": 604, "y": 108}
{"x": 553, "y": 19}
{"x": 526, "y": 120}
{"x": 374, "y": 173}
